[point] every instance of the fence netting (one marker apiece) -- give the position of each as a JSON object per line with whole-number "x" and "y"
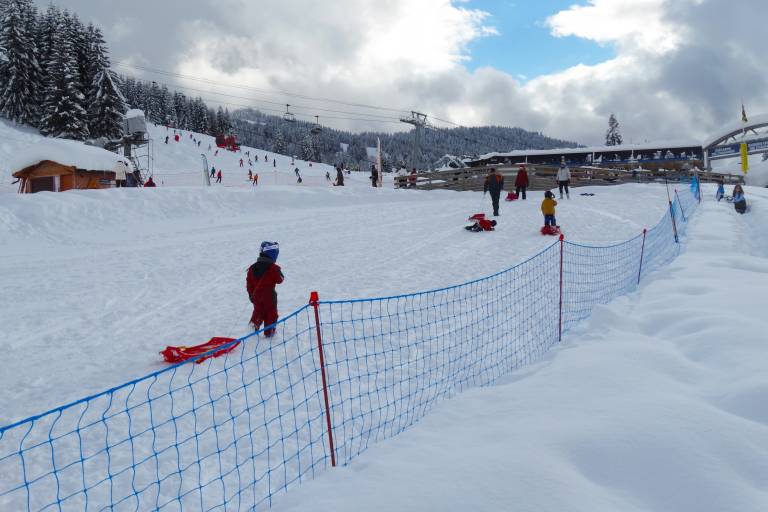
{"x": 231, "y": 433}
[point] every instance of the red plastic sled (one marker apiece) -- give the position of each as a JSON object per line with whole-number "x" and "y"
{"x": 551, "y": 230}
{"x": 179, "y": 354}
{"x": 477, "y": 216}
{"x": 512, "y": 197}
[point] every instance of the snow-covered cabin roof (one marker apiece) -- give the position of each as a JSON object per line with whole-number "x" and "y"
{"x": 134, "y": 112}
{"x": 64, "y": 152}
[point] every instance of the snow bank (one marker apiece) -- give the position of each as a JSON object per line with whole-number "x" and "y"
{"x": 656, "y": 404}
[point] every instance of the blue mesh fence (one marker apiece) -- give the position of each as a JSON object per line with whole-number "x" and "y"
{"x": 231, "y": 433}
{"x": 226, "y": 434}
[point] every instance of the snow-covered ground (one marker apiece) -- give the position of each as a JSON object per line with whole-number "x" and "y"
{"x": 658, "y": 402}
{"x": 102, "y": 280}
{"x": 181, "y": 163}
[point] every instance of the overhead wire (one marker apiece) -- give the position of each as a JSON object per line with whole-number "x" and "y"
{"x": 297, "y": 109}
{"x": 257, "y": 89}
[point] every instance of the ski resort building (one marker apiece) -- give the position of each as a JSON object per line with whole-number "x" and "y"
{"x": 57, "y": 165}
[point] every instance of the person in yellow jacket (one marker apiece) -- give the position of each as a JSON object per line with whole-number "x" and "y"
{"x": 548, "y": 209}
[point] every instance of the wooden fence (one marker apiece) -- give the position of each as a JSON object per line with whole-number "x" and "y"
{"x": 544, "y": 178}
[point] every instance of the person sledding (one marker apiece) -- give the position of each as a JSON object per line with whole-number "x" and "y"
{"x": 480, "y": 223}
{"x": 494, "y": 183}
{"x": 548, "y": 209}
{"x": 262, "y": 278}
{"x": 738, "y": 199}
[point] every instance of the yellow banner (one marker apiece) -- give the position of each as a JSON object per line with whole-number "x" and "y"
{"x": 744, "y": 158}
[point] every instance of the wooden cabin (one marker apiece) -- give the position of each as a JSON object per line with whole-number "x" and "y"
{"x": 52, "y": 176}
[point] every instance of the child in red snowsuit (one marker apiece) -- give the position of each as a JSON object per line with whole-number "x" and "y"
{"x": 482, "y": 225}
{"x": 262, "y": 278}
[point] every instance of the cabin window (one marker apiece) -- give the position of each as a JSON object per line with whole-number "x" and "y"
{"x": 45, "y": 184}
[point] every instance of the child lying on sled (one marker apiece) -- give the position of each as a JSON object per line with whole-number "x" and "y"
{"x": 481, "y": 225}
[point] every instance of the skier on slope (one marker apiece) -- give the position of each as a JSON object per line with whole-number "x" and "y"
{"x": 213, "y": 171}
{"x": 218, "y": 176}
{"x": 374, "y": 176}
{"x": 262, "y": 278}
{"x": 494, "y": 183}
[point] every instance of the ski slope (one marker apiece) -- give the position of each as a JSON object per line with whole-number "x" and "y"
{"x": 657, "y": 403}
{"x": 181, "y": 163}
{"x": 100, "y": 281}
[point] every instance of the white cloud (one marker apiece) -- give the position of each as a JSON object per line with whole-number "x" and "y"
{"x": 628, "y": 23}
{"x": 681, "y": 68}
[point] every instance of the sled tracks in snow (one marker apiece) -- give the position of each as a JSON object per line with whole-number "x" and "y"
{"x": 234, "y": 433}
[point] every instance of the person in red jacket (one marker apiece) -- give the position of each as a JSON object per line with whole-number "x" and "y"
{"x": 150, "y": 182}
{"x": 482, "y": 225}
{"x": 521, "y": 181}
{"x": 218, "y": 176}
{"x": 262, "y": 278}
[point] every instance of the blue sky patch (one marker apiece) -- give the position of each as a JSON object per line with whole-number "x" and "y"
{"x": 524, "y": 47}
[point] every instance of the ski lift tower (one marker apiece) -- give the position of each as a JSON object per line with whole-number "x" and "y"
{"x": 135, "y": 136}
{"x": 288, "y": 116}
{"x": 419, "y": 121}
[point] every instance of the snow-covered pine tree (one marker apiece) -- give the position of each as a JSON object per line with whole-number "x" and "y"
{"x": 180, "y": 110}
{"x": 96, "y": 61}
{"x": 613, "y": 135}
{"x": 279, "y": 145}
{"x": 154, "y": 104}
{"x": 108, "y": 107}
{"x": 63, "y": 112}
{"x": 19, "y": 69}
{"x": 128, "y": 88}
{"x": 169, "y": 109}
{"x": 220, "y": 126}
{"x": 47, "y": 25}
{"x": 82, "y": 52}
{"x": 308, "y": 151}
{"x": 106, "y": 103}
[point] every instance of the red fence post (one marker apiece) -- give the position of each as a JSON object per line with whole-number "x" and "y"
{"x": 642, "y": 252}
{"x": 560, "y": 321}
{"x": 314, "y": 301}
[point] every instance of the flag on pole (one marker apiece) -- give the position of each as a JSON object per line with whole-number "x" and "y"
{"x": 744, "y": 158}
{"x": 743, "y": 114}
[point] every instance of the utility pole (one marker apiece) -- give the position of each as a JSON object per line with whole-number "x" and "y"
{"x": 419, "y": 121}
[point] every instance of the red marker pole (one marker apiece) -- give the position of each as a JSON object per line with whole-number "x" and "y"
{"x": 314, "y": 301}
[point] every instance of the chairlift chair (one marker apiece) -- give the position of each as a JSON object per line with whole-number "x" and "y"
{"x": 288, "y": 116}
{"x": 316, "y": 129}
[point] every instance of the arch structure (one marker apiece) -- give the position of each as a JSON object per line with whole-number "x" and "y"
{"x": 727, "y": 143}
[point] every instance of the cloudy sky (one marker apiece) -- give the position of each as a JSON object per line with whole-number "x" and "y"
{"x": 667, "y": 68}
